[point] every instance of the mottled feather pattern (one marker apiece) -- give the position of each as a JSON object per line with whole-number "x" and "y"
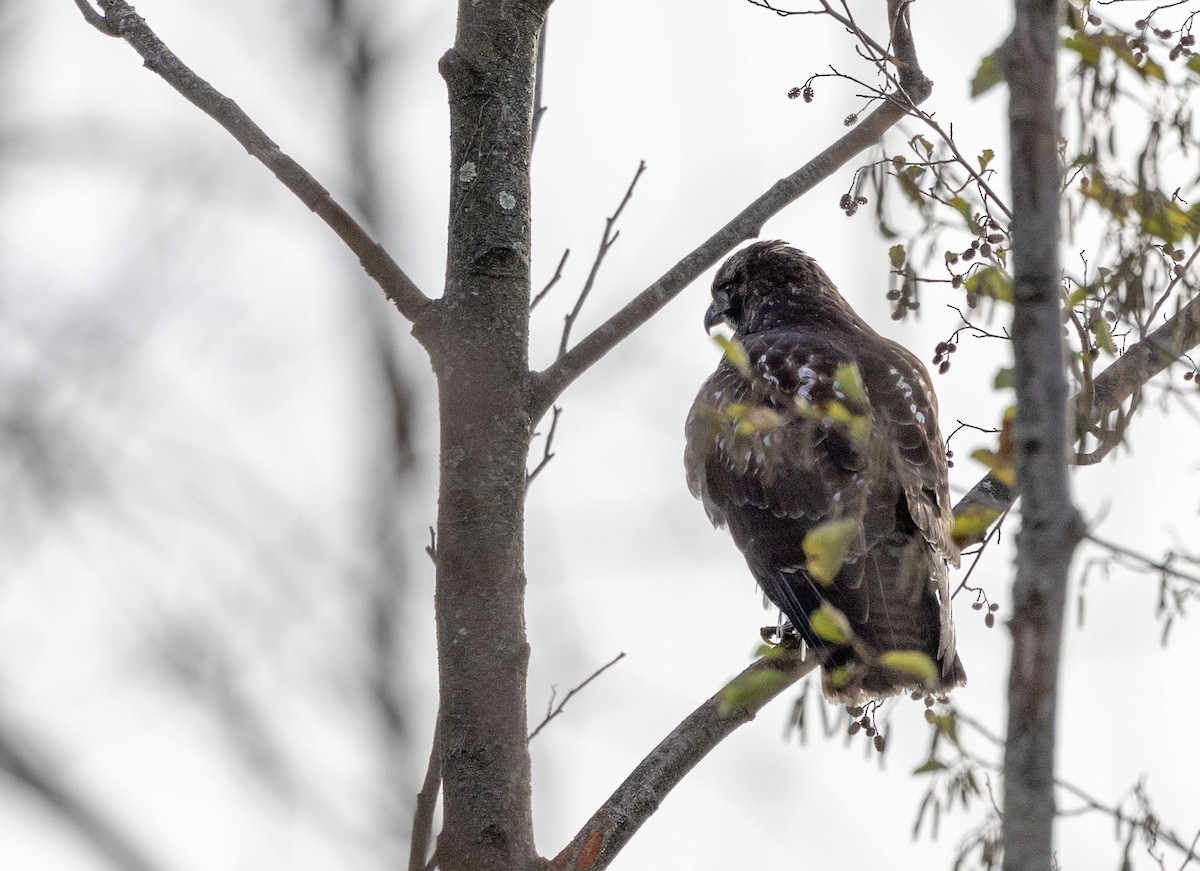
{"x": 824, "y": 420}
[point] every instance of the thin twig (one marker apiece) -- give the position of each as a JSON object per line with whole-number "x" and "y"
{"x": 1179, "y": 273}
{"x": 553, "y": 711}
{"x": 847, "y": 22}
{"x": 422, "y": 828}
{"x": 606, "y": 242}
{"x": 552, "y": 381}
{"x": 553, "y": 280}
{"x": 539, "y": 74}
{"x": 1091, "y": 801}
{"x": 993, "y": 534}
{"x": 1191, "y": 854}
{"x": 431, "y": 548}
{"x": 1123, "y": 378}
{"x": 1159, "y": 565}
{"x": 547, "y": 451}
{"x": 121, "y": 21}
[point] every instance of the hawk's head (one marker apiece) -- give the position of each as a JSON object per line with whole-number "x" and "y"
{"x": 771, "y": 284}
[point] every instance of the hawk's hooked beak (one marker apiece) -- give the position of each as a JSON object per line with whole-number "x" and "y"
{"x": 717, "y": 311}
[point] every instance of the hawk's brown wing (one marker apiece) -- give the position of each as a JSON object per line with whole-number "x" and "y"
{"x": 781, "y": 444}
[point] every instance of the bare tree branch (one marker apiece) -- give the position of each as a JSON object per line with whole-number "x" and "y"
{"x": 422, "y": 828}
{"x": 606, "y": 242}
{"x": 547, "y": 455}
{"x": 87, "y": 819}
{"x": 553, "y": 711}
{"x": 1140, "y": 362}
{"x": 554, "y": 279}
{"x": 538, "y": 80}
{"x": 1163, "y": 566}
{"x": 1092, "y": 803}
{"x": 121, "y": 21}
{"x": 737, "y": 703}
{"x": 1122, "y": 380}
{"x": 549, "y": 383}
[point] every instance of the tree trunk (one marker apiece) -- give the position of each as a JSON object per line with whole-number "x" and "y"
{"x": 1050, "y": 526}
{"x": 477, "y": 335}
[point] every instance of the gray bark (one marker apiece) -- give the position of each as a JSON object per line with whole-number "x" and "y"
{"x": 477, "y": 337}
{"x": 1051, "y": 525}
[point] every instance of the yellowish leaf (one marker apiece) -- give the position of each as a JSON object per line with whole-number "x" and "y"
{"x": 1000, "y": 467}
{"x": 735, "y": 353}
{"x": 750, "y": 419}
{"x": 830, "y": 624}
{"x": 826, "y": 546}
{"x": 748, "y": 690}
{"x": 848, "y": 386}
{"x": 1103, "y": 336}
{"x": 973, "y": 523}
{"x": 914, "y": 663}
{"x": 839, "y": 676}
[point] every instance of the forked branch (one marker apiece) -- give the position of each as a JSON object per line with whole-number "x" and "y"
{"x": 611, "y": 827}
{"x": 1122, "y": 380}
{"x": 121, "y": 21}
{"x": 549, "y": 383}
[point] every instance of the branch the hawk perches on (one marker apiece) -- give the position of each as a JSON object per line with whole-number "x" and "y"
{"x": 816, "y": 443}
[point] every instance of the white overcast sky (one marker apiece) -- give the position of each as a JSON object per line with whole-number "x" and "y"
{"x": 619, "y": 556}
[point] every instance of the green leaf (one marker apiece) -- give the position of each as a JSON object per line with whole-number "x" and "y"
{"x": 750, "y": 419}
{"x": 988, "y": 75}
{"x": 946, "y": 723}
{"x": 826, "y": 546}
{"x": 839, "y": 676}
{"x": 930, "y": 766}
{"x": 750, "y": 689}
{"x": 913, "y": 663}
{"x": 999, "y": 467}
{"x": 898, "y": 256}
{"x": 735, "y": 353}
{"x": 1161, "y": 217}
{"x": 1151, "y": 70}
{"x": 986, "y": 158}
{"x": 1003, "y": 379}
{"x": 848, "y": 386}
{"x": 964, "y": 208}
{"x": 972, "y": 524}
{"x": 992, "y": 282}
{"x": 830, "y": 624}
{"x": 1078, "y": 295}
{"x": 1085, "y": 46}
{"x": 1103, "y": 336}
{"x": 1193, "y": 63}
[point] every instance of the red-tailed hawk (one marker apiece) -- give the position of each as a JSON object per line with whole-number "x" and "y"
{"x": 816, "y": 442}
